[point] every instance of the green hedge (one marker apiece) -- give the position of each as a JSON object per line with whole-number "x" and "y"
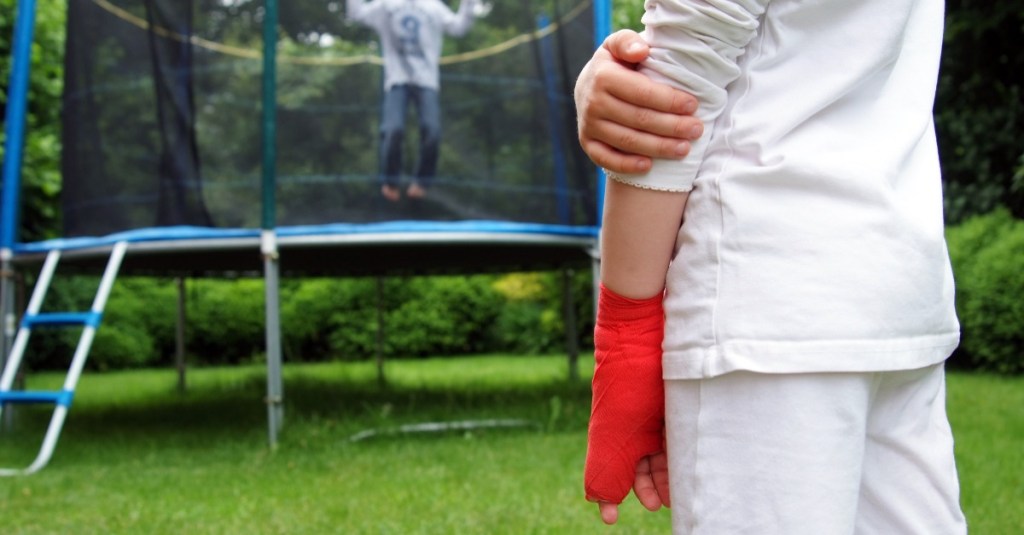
{"x": 988, "y": 262}
{"x": 321, "y": 319}
{"x": 325, "y": 319}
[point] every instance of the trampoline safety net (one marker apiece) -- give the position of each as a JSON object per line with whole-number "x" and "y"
{"x": 162, "y": 116}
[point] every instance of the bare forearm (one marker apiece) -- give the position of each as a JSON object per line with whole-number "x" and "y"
{"x": 638, "y": 237}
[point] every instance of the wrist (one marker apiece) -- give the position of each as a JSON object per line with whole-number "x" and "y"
{"x": 614, "y": 307}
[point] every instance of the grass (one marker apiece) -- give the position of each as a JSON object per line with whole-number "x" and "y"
{"x": 137, "y": 457}
{"x": 987, "y": 415}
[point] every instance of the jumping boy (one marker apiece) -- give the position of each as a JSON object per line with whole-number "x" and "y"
{"x": 411, "y": 33}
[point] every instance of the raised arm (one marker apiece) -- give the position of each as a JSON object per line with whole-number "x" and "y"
{"x": 458, "y": 23}
{"x": 363, "y": 12}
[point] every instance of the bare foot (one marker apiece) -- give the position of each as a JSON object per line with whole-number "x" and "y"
{"x": 416, "y": 191}
{"x": 390, "y": 193}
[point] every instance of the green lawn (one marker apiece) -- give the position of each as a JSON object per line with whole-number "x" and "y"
{"x": 136, "y": 457}
{"x": 987, "y": 415}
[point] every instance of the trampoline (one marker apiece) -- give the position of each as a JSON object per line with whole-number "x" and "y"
{"x": 239, "y": 136}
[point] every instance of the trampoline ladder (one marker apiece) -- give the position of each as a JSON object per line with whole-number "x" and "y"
{"x": 89, "y": 321}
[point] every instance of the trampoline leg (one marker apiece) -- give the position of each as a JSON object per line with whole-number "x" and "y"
{"x": 381, "y": 378}
{"x": 8, "y": 328}
{"x": 569, "y": 314}
{"x": 275, "y": 387}
{"x": 179, "y": 336}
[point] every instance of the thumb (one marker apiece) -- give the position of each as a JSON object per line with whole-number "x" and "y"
{"x": 627, "y": 46}
{"x": 609, "y": 512}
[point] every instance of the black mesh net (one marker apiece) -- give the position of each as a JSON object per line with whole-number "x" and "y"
{"x": 162, "y": 117}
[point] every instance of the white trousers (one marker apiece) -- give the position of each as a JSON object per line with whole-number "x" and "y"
{"x": 815, "y": 454}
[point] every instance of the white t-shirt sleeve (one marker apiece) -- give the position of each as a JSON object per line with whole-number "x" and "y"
{"x": 695, "y": 46}
{"x": 458, "y": 23}
{"x": 368, "y": 13}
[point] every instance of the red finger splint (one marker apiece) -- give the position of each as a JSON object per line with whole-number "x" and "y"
{"x": 627, "y": 418}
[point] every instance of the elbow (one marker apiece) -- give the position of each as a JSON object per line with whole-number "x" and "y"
{"x": 697, "y": 47}
{"x": 713, "y": 31}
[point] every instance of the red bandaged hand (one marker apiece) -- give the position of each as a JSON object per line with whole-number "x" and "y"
{"x": 627, "y": 418}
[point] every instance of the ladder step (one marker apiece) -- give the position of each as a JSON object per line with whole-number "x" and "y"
{"x": 88, "y": 319}
{"x": 62, "y": 397}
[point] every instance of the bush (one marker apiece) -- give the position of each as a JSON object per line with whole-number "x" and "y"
{"x": 139, "y": 313}
{"x": 321, "y": 318}
{"x": 326, "y": 318}
{"x": 531, "y": 321}
{"x": 226, "y": 320}
{"x": 143, "y": 305}
{"x": 450, "y": 315}
{"x": 52, "y": 348}
{"x": 519, "y": 329}
{"x": 582, "y": 288}
{"x": 351, "y": 329}
{"x": 121, "y": 346}
{"x": 339, "y": 318}
{"x": 988, "y": 260}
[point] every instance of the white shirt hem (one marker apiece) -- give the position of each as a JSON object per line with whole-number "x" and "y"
{"x": 809, "y": 356}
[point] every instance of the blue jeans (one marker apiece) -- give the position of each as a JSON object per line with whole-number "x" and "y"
{"x": 392, "y": 132}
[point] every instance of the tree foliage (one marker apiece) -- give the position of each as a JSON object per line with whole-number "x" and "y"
{"x": 41, "y": 180}
{"x": 627, "y": 14}
{"x": 979, "y": 107}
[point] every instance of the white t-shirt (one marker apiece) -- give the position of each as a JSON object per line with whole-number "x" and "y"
{"x": 411, "y": 33}
{"x": 813, "y": 235}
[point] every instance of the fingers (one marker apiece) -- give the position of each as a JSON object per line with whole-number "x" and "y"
{"x": 659, "y": 473}
{"x": 607, "y": 103}
{"x": 639, "y": 91}
{"x": 614, "y": 160}
{"x": 651, "y": 487}
{"x": 628, "y": 49}
{"x": 644, "y": 487}
{"x": 606, "y": 73}
{"x": 609, "y": 512}
{"x": 622, "y": 137}
{"x": 651, "y": 484}
{"x": 641, "y": 131}
{"x": 621, "y": 149}
{"x": 627, "y": 46}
